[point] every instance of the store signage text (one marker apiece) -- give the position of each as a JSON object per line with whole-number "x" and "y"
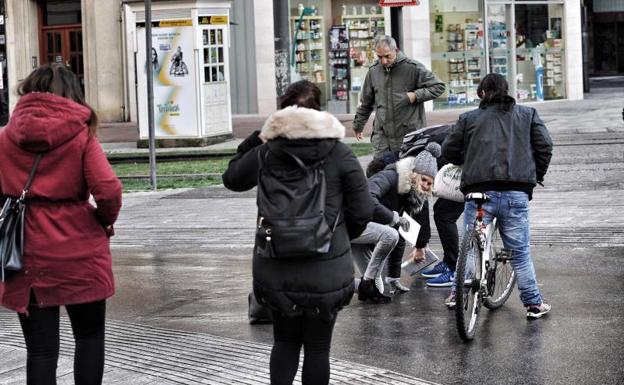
{"x": 213, "y": 20}
{"x": 175, "y": 23}
{"x": 398, "y": 3}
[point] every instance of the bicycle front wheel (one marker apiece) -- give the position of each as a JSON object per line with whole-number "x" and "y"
{"x": 468, "y": 277}
{"x": 501, "y": 277}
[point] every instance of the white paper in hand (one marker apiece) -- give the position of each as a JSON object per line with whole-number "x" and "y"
{"x": 412, "y": 235}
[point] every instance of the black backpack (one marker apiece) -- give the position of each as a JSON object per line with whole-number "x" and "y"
{"x": 291, "y": 210}
{"x": 416, "y": 141}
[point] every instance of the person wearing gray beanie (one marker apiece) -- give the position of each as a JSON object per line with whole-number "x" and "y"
{"x": 403, "y": 186}
{"x": 426, "y": 162}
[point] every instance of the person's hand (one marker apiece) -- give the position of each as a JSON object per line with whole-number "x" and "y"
{"x": 417, "y": 255}
{"x": 404, "y": 224}
{"x": 412, "y": 97}
{"x": 359, "y": 135}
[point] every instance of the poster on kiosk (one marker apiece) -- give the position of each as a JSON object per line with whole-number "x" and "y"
{"x": 173, "y": 68}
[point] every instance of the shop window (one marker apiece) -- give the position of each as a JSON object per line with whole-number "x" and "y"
{"x": 214, "y": 59}
{"x": 331, "y": 45}
{"x": 363, "y": 22}
{"x": 539, "y": 53}
{"x": 458, "y": 50}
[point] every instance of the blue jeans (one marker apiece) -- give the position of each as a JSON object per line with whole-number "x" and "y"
{"x": 511, "y": 208}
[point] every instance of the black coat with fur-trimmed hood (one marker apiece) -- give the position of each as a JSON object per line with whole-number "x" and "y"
{"x": 317, "y": 286}
{"x": 392, "y": 190}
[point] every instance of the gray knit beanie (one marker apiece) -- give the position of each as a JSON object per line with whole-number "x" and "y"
{"x": 425, "y": 163}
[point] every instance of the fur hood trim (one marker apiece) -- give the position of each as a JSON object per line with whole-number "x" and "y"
{"x": 302, "y": 123}
{"x": 404, "y": 169}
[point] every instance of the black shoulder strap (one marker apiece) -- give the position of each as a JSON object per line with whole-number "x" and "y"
{"x": 30, "y": 177}
{"x": 294, "y": 157}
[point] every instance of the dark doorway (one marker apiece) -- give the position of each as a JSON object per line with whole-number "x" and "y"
{"x": 609, "y": 47}
{"x": 606, "y": 39}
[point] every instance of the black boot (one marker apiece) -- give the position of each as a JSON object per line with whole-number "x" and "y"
{"x": 368, "y": 291}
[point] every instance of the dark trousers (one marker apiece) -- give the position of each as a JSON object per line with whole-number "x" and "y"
{"x": 445, "y": 214}
{"x": 289, "y": 334}
{"x": 41, "y": 333}
{"x": 396, "y": 257}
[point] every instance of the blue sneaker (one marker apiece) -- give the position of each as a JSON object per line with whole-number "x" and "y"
{"x": 443, "y": 280}
{"x": 436, "y": 271}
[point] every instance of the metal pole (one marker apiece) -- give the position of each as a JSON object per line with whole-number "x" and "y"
{"x": 150, "y": 93}
{"x": 585, "y": 42}
{"x": 396, "y": 25}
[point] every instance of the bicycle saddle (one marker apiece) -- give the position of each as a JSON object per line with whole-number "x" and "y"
{"x": 477, "y": 197}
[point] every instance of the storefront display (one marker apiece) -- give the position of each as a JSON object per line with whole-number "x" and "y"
{"x": 458, "y": 51}
{"x": 362, "y": 29}
{"x": 308, "y": 33}
{"x": 339, "y": 69}
{"x": 530, "y": 55}
{"x": 539, "y": 52}
{"x": 337, "y": 61}
{"x": 468, "y": 38}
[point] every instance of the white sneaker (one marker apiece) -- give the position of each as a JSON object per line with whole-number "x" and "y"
{"x": 396, "y": 287}
{"x": 535, "y": 311}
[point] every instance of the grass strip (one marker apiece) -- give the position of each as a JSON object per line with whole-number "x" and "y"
{"x": 188, "y": 173}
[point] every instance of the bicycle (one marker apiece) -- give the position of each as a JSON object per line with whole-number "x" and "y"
{"x": 484, "y": 275}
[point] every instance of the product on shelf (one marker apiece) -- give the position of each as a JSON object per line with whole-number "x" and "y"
{"x": 339, "y": 62}
{"x": 464, "y": 61}
{"x": 307, "y": 33}
{"x": 362, "y": 28}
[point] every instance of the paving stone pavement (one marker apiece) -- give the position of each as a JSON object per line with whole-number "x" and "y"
{"x": 139, "y": 354}
{"x": 171, "y": 336}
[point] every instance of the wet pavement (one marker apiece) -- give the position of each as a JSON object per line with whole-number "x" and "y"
{"x": 183, "y": 259}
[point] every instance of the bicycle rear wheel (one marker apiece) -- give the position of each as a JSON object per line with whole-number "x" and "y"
{"x": 468, "y": 277}
{"x": 501, "y": 276}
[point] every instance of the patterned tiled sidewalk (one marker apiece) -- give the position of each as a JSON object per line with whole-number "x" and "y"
{"x": 138, "y": 354}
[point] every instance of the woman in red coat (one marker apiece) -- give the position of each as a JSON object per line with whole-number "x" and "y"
{"x": 67, "y": 259}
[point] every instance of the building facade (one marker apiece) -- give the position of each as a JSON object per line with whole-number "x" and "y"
{"x": 85, "y": 35}
{"x": 536, "y": 44}
{"x": 101, "y": 42}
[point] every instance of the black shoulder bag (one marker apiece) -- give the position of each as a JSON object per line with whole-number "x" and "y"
{"x": 12, "y": 229}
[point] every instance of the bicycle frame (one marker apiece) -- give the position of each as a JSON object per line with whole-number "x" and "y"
{"x": 485, "y": 244}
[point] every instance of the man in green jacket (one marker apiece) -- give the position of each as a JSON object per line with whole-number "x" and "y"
{"x": 396, "y": 87}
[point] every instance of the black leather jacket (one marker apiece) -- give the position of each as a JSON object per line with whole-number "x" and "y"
{"x": 499, "y": 148}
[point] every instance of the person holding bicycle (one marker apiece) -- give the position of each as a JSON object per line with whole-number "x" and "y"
{"x": 505, "y": 150}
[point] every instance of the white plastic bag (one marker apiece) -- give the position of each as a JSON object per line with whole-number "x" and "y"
{"x": 446, "y": 183}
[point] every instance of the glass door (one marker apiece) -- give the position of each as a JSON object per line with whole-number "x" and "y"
{"x": 500, "y": 50}
{"x": 60, "y": 24}
{"x": 525, "y": 44}
{"x": 539, "y": 52}
{"x": 64, "y": 45}
{"x": 458, "y": 50}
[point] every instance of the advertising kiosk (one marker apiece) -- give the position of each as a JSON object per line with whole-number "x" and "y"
{"x": 189, "y": 57}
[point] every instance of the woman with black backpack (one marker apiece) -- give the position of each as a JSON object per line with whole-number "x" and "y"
{"x": 312, "y": 200}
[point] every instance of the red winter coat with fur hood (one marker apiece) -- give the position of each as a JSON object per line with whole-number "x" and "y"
{"x": 66, "y": 253}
